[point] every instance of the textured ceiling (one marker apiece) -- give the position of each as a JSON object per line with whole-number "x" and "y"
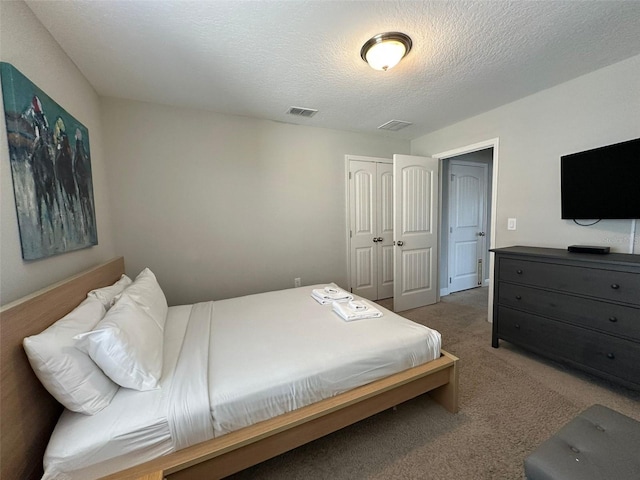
{"x": 258, "y": 58}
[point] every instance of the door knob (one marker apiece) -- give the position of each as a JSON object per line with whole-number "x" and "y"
{"x": 375, "y": 240}
{"x": 400, "y": 243}
{"x": 481, "y": 234}
{"x": 380, "y": 239}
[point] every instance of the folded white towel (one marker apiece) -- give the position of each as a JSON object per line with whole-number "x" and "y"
{"x": 356, "y": 310}
{"x": 329, "y": 294}
{"x": 358, "y": 306}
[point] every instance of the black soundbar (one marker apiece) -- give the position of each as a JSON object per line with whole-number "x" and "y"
{"x": 588, "y": 249}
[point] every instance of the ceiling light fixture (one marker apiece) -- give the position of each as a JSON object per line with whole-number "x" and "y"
{"x": 385, "y": 50}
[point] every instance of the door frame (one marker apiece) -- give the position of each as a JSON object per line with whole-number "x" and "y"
{"x": 485, "y": 215}
{"x": 347, "y": 160}
{"x": 491, "y": 143}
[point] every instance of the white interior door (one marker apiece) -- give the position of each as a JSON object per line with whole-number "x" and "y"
{"x": 467, "y": 225}
{"x": 384, "y": 179}
{"x": 415, "y": 231}
{"x": 363, "y": 228}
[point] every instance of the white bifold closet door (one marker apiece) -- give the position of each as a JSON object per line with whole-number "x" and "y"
{"x": 371, "y": 228}
{"x": 393, "y": 229}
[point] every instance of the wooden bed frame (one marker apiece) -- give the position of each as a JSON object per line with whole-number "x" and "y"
{"x": 29, "y": 413}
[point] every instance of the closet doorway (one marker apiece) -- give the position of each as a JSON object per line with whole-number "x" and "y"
{"x": 393, "y": 228}
{"x": 370, "y": 198}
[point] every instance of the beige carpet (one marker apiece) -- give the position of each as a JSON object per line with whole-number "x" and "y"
{"x": 510, "y": 402}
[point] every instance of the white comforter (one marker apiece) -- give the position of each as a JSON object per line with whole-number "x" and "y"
{"x": 232, "y": 363}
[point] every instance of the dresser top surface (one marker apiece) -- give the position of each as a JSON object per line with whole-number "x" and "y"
{"x": 562, "y": 254}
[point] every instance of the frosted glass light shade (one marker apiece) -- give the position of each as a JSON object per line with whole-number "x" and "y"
{"x": 385, "y": 55}
{"x": 385, "y": 50}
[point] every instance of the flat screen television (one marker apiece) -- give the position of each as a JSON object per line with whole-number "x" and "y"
{"x": 603, "y": 183}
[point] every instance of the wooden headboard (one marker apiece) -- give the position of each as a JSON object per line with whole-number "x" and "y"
{"x": 28, "y": 413}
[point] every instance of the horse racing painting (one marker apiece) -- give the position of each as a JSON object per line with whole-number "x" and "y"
{"x": 51, "y": 170}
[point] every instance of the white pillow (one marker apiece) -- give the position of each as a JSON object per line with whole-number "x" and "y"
{"x": 146, "y": 292}
{"x": 108, "y": 294}
{"x": 126, "y": 345}
{"x": 67, "y": 373}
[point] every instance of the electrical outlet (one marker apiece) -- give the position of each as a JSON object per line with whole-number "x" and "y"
{"x": 511, "y": 224}
{"x": 296, "y": 282}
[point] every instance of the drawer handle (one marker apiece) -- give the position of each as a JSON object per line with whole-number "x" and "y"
{"x": 518, "y": 297}
{"x": 611, "y": 356}
{"x": 615, "y": 286}
{"x": 613, "y": 319}
{"x": 519, "y": 272}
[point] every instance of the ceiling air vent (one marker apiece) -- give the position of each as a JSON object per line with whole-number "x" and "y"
{"x": 394, "y": 125}
{"x": 302, "y": 112}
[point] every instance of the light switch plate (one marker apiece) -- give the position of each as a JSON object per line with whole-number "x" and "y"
{"x": 511, "y": 224}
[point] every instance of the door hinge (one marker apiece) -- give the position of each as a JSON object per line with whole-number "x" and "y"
{"x": 349, "y": 175}
{"x": 350, "y": 233}
{"x": 449, "y": 279}
{"x": 450, "y": 229}
{"x": 351, "y": 290}
{"x": 452, "y": 176}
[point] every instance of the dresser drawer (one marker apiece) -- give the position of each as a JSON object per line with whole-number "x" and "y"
{"x": 610, "y": 318}
{"x": 595, "y": 351}
{"x": 531, "y": 331}
{"x": 605, "y": 284}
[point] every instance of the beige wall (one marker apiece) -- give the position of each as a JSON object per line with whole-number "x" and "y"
{"x": 220, "y": 206}
{"x": 26, "y": 44}
{"x": 597, "y": 109}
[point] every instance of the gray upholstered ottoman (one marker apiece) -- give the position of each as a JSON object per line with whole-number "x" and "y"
{"x": 599, "y": 444}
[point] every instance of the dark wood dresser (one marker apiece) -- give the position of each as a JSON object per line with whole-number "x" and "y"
{"x": 580, "y": 309}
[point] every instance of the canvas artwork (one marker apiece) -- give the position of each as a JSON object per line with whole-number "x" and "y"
{"x": 51, "y": 169}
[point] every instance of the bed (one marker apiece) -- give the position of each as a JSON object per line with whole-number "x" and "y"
{"x": 29, "y": 413}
